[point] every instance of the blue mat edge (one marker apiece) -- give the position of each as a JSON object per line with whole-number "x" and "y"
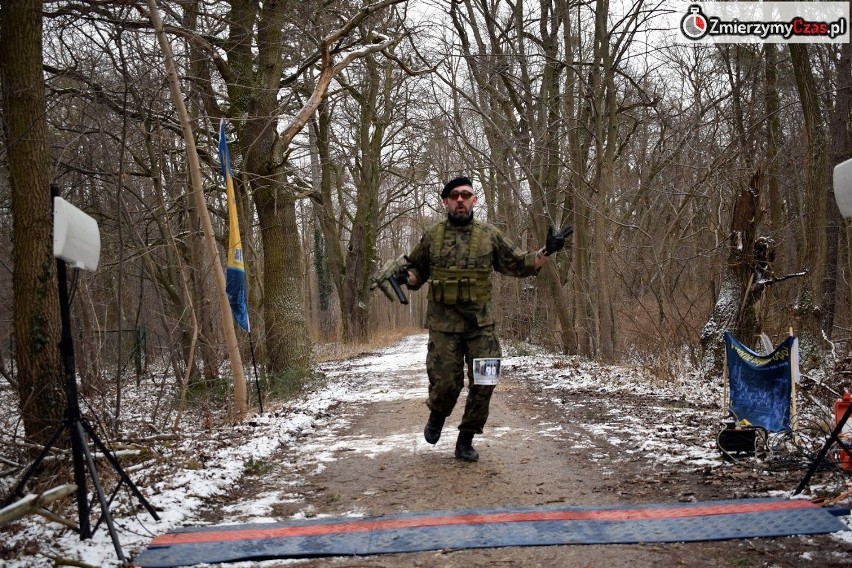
{"x": 479, "y": 511}
{"x": 363, "y": 544}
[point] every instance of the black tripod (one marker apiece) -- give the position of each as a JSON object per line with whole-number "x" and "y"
{"x": 77, "y": 428}
{"x": 832, "y": 438}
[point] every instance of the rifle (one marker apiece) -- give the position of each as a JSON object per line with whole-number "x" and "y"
{"x": 395, "y": 273}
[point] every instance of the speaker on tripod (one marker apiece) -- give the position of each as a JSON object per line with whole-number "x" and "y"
{"x": 76, "y": 241}
{"x": 842, "y": 181}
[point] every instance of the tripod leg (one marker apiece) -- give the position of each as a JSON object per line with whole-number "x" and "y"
{"x": 117, "y": 467}
{"x": 109, "y": 503}
{"x": 833, "y": 437}
{"x": 100, "y": 492}
{"x": 78, "y": 446}
{"x": 16, "y": 492}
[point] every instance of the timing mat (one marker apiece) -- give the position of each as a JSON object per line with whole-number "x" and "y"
{"x": 486, "y": 528}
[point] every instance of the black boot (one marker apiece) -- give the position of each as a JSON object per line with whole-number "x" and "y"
{"x": 432, "y": 432}
{"x": 464, "y": 447}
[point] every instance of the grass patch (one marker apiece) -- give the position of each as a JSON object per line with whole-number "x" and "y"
{"x": 200, "y": 394}
{"x": 288, "y": 383}
{"x": 324, "y": 352}
{"x": 595, "y": 413}
{"x": 257, "y": 468}
{"x": 520, "y": 349}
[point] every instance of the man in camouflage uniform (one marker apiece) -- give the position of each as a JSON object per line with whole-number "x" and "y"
{"x": 456, "y": 257}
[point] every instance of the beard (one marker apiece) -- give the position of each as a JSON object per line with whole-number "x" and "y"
{"x": 460, "y": 216}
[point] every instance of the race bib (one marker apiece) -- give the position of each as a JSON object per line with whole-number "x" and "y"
{"x": 486, "y": 371}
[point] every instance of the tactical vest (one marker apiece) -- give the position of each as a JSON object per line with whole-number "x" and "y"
{"x": 457, "y": 284}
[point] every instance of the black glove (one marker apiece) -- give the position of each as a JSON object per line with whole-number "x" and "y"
{"x": 556, "y": 242}
{"x": 401, "y": 275}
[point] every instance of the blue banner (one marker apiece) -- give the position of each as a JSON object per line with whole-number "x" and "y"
{"x": 760, "y": 385}
{"x": 235, "y": 284}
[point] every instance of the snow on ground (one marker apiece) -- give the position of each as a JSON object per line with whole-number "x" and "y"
{"x": 559, "y": 374}
{"x": 199, "y": 465}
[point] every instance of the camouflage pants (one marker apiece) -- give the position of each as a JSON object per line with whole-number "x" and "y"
{"x": 447, "y": 356}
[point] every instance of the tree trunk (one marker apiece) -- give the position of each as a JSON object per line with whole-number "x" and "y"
{"x": 813, "y": 248}
{"x": 841, "y": 149}
{"x": 373, "y": 117}
{"x": 334, "y": 255}
{"x": 210, "y": 339}
{"x": 604, "y": 126}
{"x": 255, "y": 95}
{"x": 36, "y": 302}
{"x": 551, "y": 195}
{"x": 773, "y": 138}
{"x": 286, "y": 329}
{"x": 579, "y": 339}
{"x": 253, "y": 89}
{"x": 736, "y": 308}
{"x": 205, "y": 308}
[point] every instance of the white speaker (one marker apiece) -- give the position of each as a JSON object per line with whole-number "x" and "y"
{"x": 76, "y": 238}
{"x": 843, "y": 187}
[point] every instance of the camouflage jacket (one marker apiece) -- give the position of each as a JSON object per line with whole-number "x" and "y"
{"x": 494, "y": 252}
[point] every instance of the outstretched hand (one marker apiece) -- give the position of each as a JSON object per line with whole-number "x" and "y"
{"x": 556, "y": 242}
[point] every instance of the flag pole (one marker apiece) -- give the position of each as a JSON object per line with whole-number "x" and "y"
{"x": 256, "y": 381}
{"x": 794, "y": 371}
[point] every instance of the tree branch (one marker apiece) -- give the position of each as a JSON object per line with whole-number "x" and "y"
{"x": 761, "y": 284}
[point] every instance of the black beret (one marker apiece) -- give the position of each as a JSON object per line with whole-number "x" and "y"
{"x": 454, "y": 183}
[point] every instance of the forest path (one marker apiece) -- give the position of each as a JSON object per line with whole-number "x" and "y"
{"x": 539, "y": 448}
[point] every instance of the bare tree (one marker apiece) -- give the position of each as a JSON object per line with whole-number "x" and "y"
{"x": 119, "y": 149}
{"x": 813, "y": 238}
{"x": 553, "y": 106}
{"x": 749, "y": 263}
{"x": 264, "y": 138}
{"x": 237, "y": 370}
{"x": 841, "y": 149}
{"x": 36, "y": 306}
{"x": 372, "y": 172}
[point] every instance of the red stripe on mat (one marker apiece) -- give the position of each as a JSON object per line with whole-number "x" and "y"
{"x": 466, "y": 519}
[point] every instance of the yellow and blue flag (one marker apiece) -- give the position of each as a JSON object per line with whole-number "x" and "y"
{"x": 236, "y": 274}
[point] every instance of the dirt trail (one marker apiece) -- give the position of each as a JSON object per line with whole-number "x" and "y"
{"x": 535, "y": 451}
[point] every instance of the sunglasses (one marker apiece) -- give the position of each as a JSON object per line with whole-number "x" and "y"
{"x": 463, "y": 194}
